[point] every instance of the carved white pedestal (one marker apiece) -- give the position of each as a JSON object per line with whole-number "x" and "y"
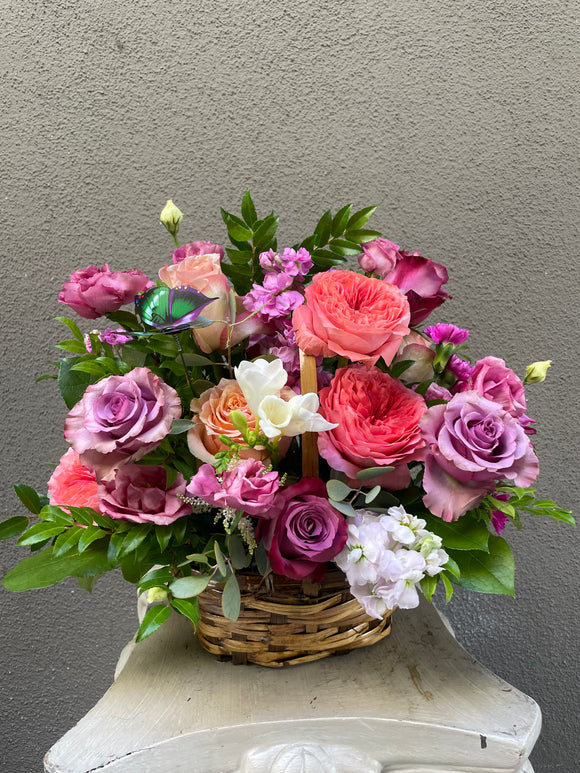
{"x": 414, "y": 703}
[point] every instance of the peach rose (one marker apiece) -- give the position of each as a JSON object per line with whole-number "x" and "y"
{"x": 72, "y": 484}
{"x": 204, "y": 273}
{"x": 212, "y": 418}
{"x": 351, "y": 315}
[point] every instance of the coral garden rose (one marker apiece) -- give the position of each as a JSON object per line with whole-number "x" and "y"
{"x": 421, "y": 280}
{"x": 250, "y": 487}
{"x": 492, "y": 379}
{"x": 197, "y": 248}
{"x": 472, "y": 443}
{"x": 95, "y": 291}
{"x": 72, "y": 483}
{"x": 378, "y": 424}
{"x": 120, "y": 419}
{"x": 139, "y": 493}
{"x": 351, "y": 315}
{"x": 305, "y": 531}
{"x": 204, "y": 273}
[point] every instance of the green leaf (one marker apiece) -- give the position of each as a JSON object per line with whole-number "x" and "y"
{"x": 91, "y": 367}
{"x": 67, "y": 540}
{"x": 88, "y": 583}
{"x": 237, "y": 551}
{"x": 86, "y": 516}
{"x": 154, "y": 619}
{"x": 155, "y": 578}
{"x": 239, "y": 257}
{"x": 188, "y": 608}
{"x": 220, "y": 560}
{"x": 344, "y": 247}
{"x": 72, "y": 384}
{"x": 360, "y": 218}
{"x": 199, "y": 558}
{"x": 372, "y": 494}
{"x": 452, "y": 567}
{"x": 56, "y": 515}
{"x": 361, "y": 235}
{"x": 73, "y": 327}
{"x": 72, "y": 345}
{"x": 237, "y": 229}
{"x": 261, "y": 557}
{"x": 90, "y": 534}
{"x": 341, "y": 219}
{"x": 231, "y": 599}
{"x": 180, "y": 426}
{"x": 163, "y": 535}
{"x": 40, "y": 532}
{"x": 464, "y": 534}
{"x": 428, "y": 585}
{"x": 186, "y": 587}
{"x": 372, "y": 472}
{"x": 323, "y": 228}
{"x": 337, "y": 490}
{"x": 13, "y": 526}
{"x": 43, "y": 569}
{"x": 264, "y": 233}
{"x": 448, "y": 587}
{"x": 248, "y": 209}
{"x": 344, "y": 508}
{"x": 133, "y": 538}
{"x": 29, "y": 498}
{"x": 491, "y": 572}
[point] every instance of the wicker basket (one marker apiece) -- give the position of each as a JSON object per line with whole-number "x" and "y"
{"x": 287, "y": 622}
{"x": 284, "y": 622}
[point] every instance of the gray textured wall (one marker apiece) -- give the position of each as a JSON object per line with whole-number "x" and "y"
{"x": 456, "y": 118}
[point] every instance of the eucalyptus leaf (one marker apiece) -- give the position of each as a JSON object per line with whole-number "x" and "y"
{"x": 179, "y": 426}
{"x": 337, "y": 490}
{"x": 372, "y": 472}
{"x": 231, "y": 599}
{"x": 344, "y": 508}
{"x": 237, "y": 552}
{"x": 372, "y": 494}
{"x": 186, "y": 587}
{"x": 220, "y": 560}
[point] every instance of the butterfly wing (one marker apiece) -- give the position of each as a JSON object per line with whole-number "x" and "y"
{"x": 170, "y": 310}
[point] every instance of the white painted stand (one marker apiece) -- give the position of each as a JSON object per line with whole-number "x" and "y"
{"x": 414, "y": 703}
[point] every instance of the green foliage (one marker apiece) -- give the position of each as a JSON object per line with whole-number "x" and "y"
{"x": 188, "y": 608}
{"x": 468, "y": 533}
{"x": 12, "y": 527}
{"x": 154, "y": 619}
{"x": 486, "y": 572}
{"x": 231, "y": 599}
{"x": 44, "y": 568}
{"x": 30, "y": 498}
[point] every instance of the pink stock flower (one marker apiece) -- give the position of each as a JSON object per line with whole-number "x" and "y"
{"x": 378, "y": 424}
{"x": 353, "y": 316}
{"x": 197, "y": 248}
{"x": 472, "y": 443}
{"x": 139, "y": 493}
{"x": 120, "y": 418}
{"x": 94, "y": 291}
{"x": 492, "y": 379}
{"x": 248, "y": 487}
{"x": 305, "y": 531}
{"x": 72, "y": 483}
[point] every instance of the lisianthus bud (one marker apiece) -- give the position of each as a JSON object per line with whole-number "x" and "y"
{"x": 171, "y": 216}
{"x": 536, "y": 372}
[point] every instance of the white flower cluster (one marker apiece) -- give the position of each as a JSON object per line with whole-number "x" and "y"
{"x": 385, "y": 557}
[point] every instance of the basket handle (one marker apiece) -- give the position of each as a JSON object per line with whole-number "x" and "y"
{"x": 309, "y": 383}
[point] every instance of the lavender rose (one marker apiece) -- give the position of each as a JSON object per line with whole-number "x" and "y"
{"x": 248, "y": 487}
{"x": 139, "y": 493}
{"x": 472, "y": 443}
{"x": 95, "y": 291}
{"x": 305, "y": 532}
{"x": 119, "y": 419}
{"x": 492, "y": 379}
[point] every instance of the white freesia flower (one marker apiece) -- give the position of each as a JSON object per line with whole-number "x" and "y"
{"x": 260, "y": 379}
{"x": 291, "y": 417}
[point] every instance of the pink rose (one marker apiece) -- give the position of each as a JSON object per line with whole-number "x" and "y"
{"x": 204, "y": 273}
{"x": 353, "y": 316}
{"x": 305, "y": 532}
{"x": 379, "y": 256}
{"x": 415, "y": 348}
{"x": 248, "y": 487}
{"x": 197, "y": 248}
{"x": 72, "y": 484}
{"x": 492, "y": 379}
{"x": 120, "y": 419}
{"x": 94, "y": 291}
{"x": 139, "y": 493}
{"x": 421, "y": 280}
{"x": 378, "y": 424}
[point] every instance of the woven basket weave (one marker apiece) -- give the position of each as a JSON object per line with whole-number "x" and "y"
{"x": 284, "y": 622}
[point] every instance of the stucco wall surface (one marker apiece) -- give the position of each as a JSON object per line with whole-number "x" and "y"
{"x": 458, "y": 119}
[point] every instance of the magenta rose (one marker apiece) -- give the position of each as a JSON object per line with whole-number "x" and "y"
{"x": 421, "y": 280}
{"x": 305, "y": 532}
{"x": 492, "y": 379}
{"x": 197, "y": 248}
{"x": 472, "y": 443}
{"x": 378, "y": 424}
{"x": 94, "y": 291}
{"x": 120, "y": 418}
{"x": 248, "y": 487}
{"x": 379, "y": 256}
{"x": 139, "y": 493}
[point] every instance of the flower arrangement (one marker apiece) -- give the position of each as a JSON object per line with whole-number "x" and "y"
{"x": 270, "y": 411}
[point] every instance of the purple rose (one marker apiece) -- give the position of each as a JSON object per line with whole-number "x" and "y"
{"x": 491, "y": 379}
{"x": 94, "y": 291}
{"x": 248, "y": 487}
{"x": 421, "y": 280}
{"x": 120, "y": 418}
{"x": 139, "y": 493}
{"x": 306, "y": 531}
{"x": 471, "y": 444}
{"x": 197, "y": 248}
{"x": 379, "y": 256}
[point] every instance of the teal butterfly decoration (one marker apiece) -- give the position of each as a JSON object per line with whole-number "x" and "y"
{"x": 171, "y": 309}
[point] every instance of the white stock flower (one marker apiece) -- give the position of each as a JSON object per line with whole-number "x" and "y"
{"x": 260, "y": 379}
{"x": 291, "y": 417}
